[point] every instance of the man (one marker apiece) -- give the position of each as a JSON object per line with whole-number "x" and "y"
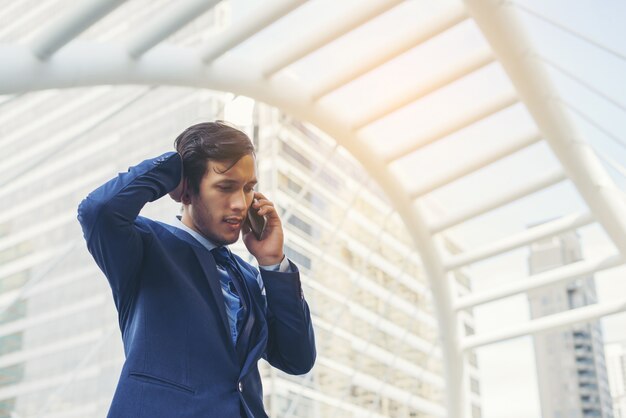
{"x": 195, "y": 319}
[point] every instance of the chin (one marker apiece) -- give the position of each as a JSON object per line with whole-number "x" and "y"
{"x": 227, "y": 240}
{"x": 231, "y": 241}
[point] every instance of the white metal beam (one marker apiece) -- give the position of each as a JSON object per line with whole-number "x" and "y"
{"x": 168, "y": 22}
{"x": 472, "y": 64}
{"x": 475, "y": 115}
{"x": 70, "y": 24}
{"x": 507, "y": 37}
{"x": 473, "y": 166}
{"x": 537, "y": 281}
{"x": 548, "y": 323}
{"x": 512, "y": 195}
{"x": 455, "y": 15}
{"x": 264, "y": 16}
{"x": 558, "y": 226}
{"x": 325, "y": 34}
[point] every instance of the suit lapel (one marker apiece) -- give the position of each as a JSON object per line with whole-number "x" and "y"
{"x": 255, "y": 331}
{"x": 256, "y": 311}
{"x": 211, "y": 275}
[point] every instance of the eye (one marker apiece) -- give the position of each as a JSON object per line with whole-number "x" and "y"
{"x": 249, "y": 189}
{"x": 224, "y": 188}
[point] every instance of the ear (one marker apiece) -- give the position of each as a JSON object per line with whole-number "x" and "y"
{"x": 185, "y": 196}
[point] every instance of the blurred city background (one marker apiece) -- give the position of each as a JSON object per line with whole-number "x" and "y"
{"x": 451, "y": 176}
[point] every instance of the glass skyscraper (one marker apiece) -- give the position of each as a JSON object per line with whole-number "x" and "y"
{"x": 571, "y": 366}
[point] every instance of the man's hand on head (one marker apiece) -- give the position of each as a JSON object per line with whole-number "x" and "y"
{"x": 269, "y": 250}
{"x": 179, "y": 191}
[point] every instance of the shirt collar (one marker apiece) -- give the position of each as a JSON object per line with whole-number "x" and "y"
{"x": 201, "y": 239}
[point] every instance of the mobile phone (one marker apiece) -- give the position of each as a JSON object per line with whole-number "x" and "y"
{"x": 256, "y": 222}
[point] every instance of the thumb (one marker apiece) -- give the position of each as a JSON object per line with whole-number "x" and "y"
{"x": 245, "y": 227}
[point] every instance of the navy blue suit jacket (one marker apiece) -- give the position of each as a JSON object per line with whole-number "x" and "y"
{"x": 180, "y": 359}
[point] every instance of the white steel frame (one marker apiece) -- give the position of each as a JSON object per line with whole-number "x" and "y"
{"x": 57, "y": 60}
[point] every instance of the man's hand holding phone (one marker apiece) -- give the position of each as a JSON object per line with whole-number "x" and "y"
{"x": 269, "y": 249}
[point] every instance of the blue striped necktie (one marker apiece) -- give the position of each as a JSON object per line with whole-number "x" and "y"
{"x": 225, "y": 259}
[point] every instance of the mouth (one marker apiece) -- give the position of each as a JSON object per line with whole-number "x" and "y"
{"x": 234, "y": 221}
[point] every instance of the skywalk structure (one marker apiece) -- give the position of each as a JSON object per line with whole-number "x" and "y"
{"x": 387, "y": 100}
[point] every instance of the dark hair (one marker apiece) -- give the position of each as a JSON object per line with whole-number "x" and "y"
{"x": 217, "y": 141}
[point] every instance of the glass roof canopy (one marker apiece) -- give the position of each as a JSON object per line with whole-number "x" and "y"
{"x": 444, "y": 102}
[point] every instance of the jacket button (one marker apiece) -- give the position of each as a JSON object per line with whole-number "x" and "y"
{"x": 240, "y": 386}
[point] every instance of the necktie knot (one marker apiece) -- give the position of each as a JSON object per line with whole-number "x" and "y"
{"x": 225, "y": 260}
{"x": 221, "y": 255}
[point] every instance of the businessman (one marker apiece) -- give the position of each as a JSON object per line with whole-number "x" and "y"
{"x": 195, "y": 318}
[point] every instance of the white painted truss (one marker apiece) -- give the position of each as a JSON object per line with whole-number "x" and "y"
{"x": 276, "y": 54}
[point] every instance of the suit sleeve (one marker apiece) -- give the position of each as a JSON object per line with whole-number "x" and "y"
{"x": 291, "y": 341}
{"x": 108, "y": 214}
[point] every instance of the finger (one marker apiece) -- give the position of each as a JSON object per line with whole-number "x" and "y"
{"x": 262, "y": 202}
{"x": 260, "y": 196}
{"x": 267, "y": 210}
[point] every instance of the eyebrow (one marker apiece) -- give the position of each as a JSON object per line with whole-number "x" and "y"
{"x": 229, "y": 182}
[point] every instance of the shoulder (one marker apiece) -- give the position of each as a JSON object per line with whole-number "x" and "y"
{"x": 152, "y": 224}
{"x": 146, "y": 224}
{"x": 155, "y": 228}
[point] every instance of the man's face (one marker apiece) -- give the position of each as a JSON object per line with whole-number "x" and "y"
{"x": 221, "y": 205}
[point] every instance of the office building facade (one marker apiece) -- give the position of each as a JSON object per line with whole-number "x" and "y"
{"x": 616, "y": 367}
{"x": 571, "y": 367}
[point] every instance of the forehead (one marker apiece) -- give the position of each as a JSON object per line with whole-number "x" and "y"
{"x": 244, "y": 170}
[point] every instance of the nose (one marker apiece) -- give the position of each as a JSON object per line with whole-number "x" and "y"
{"x": 238, "y": 201}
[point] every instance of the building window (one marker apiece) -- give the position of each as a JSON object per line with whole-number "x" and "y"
{"x": 474, "y": 386}
{"x": 331, "y": 181}
{"x": 290, "y": 151}
{"x": 12, "y": 374}
{"x": 298, "y": 257}
{"x": 15, "y": 311}
{"x": 6, "y": 407}
{"x": 10, "y": 343}
{"x": 301, "y": 225}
